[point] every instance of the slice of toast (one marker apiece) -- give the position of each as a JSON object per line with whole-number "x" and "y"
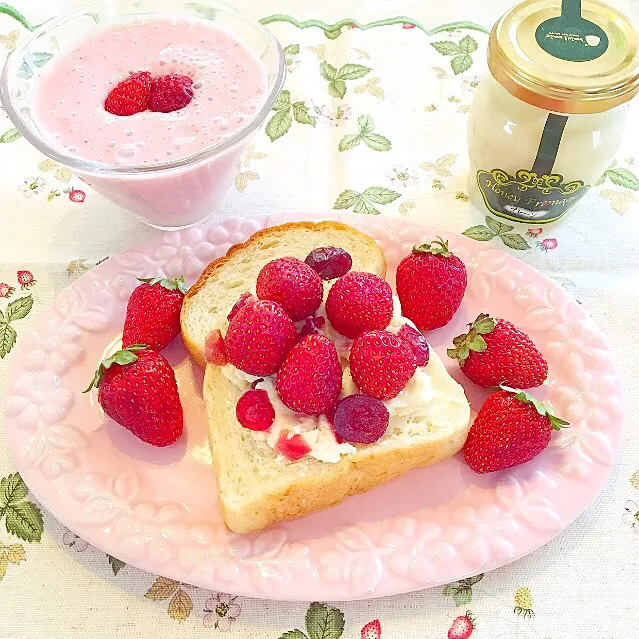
{"x": 258, "y": 487}
{"x": 210, "y": 299}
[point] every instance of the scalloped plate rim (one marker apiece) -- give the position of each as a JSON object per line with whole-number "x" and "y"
{"x": 243, "y": 587}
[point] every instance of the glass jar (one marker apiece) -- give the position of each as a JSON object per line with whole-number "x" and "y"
{"x": 547, "y": 120}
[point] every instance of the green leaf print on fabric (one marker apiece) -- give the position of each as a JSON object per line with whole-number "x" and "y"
{"x": 292, "y": 49}
{"x": 480, "y": 233}
{"x": 622, "y": 177}
{"x": 446, "y": 48}
{"x": 281, "y": 122}
{"x": 206, "y": 12}
{"x": 324, "y": 622}
{"x": 497, "y": 227}
{"x": 377, "y": 142}
{"x": 514, "y": 241}
{"x": 12, "y": 490}
{"x": 352, "y": 71}
{"x": 301, "y": 114}
{"x": 380, "y": 195}
{"x": 10, "y": 136}
{"x": 8, "y": 338}
{"x": 462, "y": 591}
{"x": 37, "y": 59}
{"x": 462, "y": 60}
{"x": 336, "y": 78}
{"x": 346, "y": 199}
{"x": 116, "y": 564}
{"x": 18, "y": 309}
{"x": 372, "y": 140}
{"x": 332, "y": 34}
{"x": 493, "y": 229}
{"x": 337, "y": 88}
{"x": 364, "y": 202}
{"x": 349, "y": 142}
{"x": 22, "y": 518}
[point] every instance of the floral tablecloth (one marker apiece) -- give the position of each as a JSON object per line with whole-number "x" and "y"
{"x": 372, "y": 119}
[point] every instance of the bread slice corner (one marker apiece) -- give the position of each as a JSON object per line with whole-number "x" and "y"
{"x": 258, "y": 488}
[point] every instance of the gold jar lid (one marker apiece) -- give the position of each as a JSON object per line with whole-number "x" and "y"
{"x": 570, "y": 56}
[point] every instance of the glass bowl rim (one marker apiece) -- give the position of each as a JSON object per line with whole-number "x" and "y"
{"x": 88, "y": 166}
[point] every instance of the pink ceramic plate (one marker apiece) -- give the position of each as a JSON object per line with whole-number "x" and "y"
{"x": 158, "y": 509}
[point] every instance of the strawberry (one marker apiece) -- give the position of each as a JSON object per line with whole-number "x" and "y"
{"x": 260, "y": 336}
{"x": 292, "y": 284}
{"x": 310, "y": 379}
{"x": 6, "y": 290}
{"x": 153, "y": 312}
{"x": 462, "y": 626}
{"x": 130, "y": 96}
{"x": 25, "y": 279}
{"x": 382, "y": 364}
{"x": 372, "y": 630}
{"x": 418, "y": 343}
{"x": 75, "y": 195}
{"x": 495, "y": 352}
{"x": 511, "y": 428}
{"x": 431, "y": 283}
{"x": 293, "y": 448}
{"x": 137, "y": 389}
{"x": 254, "y": 410}
{"x": 214, "y": 350}
{"x": 170, "y": 93}
{"x": 359, "y": 302}
{"x": 243, "y": 300}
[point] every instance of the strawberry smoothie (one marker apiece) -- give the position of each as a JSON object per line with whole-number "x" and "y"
{"x": 170, "y": 187}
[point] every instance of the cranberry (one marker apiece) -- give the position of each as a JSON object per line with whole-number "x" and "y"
{"x": 311, "y": 326}
{"x": 294, "y": 448}
{"x": 329, "y": 262}
{"x": 417, "y": 342}
{"x": 360, "y": 419}
{"x": 214, "y": 351}
{"x": 243, "y": 300}
{"x": 255, "y": 411}
{"x": 330, "y": 416}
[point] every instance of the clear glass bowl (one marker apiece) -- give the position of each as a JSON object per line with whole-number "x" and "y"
{"x": 165, "y": 195}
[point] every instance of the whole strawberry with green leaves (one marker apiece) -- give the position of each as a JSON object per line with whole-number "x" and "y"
{"x": 137, "y": 389}
{"x": 153, "y": 312}
{"x": 511, "y": 428}
{"x": 495, "y": 352}
{"x": 431, "y": 283}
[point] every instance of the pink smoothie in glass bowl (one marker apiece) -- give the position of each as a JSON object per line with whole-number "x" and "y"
{"x": 229, "y": 86}
{"x": 169, "y": 169}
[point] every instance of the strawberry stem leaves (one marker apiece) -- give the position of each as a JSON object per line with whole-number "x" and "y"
{"x": 556, "y": 422}
{"x": 436, "y": 247}
{"x": 166, "y": 282}
{"x": 473, "y": 340}
{"x": 121, "y": 357}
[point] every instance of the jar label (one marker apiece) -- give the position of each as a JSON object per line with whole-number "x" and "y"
{"x": 527, "y": 196}
{"x": 570, "y": 36}
{"x": 536, "y": 194}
